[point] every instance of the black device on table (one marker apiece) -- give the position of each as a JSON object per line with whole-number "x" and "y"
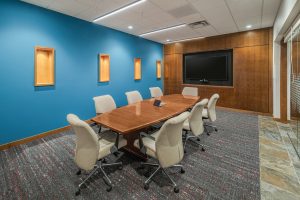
{"x": 157, "y": 102}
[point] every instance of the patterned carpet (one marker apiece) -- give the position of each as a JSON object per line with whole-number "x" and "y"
{"x": 228, "y": 169}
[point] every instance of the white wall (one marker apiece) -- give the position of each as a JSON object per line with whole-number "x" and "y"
{"x": 287, "y": 12}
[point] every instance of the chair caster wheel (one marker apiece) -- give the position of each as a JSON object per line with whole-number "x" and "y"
{"x": 182, "y": 171}
{"x": 77, "y": 193}
{"x": 198, "y": 139}
{"x": 79, "y": 172}
{"x": 120, "y": 167}
{"x": 104, "y": 161}
{"x": 202, "y": 149}
{"x": 109, "y": 189}
{"x": 216, "y": 129}
{"x": 208, "y": 133}
{"x": 146, "y": 186}
{"x": 176, "y": 189}
{"x": 184, "y": 151}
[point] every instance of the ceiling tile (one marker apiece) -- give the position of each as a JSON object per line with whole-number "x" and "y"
{"x": 224, "y": 16}
{"x": 217, "y": 14}
{"x": 246, "y": 12}
{"x": 270, "y": 9}
{"x": 41, "y": 3}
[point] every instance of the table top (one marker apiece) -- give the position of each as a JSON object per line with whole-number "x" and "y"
{"x": 131, "y": 118}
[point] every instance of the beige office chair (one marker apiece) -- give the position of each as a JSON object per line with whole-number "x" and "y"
{"x": 194, "y": 124}
{"x": 90, "y": 149}
{"x": 103, "y": 104}
{"x": 155, "y": 92}
{"x": 133, "y": 97}
{"x": 210, "y": 112}
{"x": 164, "y": 145}
{"x": 192, "y": 91}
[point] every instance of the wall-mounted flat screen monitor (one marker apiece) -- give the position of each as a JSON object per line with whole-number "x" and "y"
{"x": 211, "y": 68}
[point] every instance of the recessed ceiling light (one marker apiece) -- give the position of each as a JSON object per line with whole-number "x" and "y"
{"x": 168, "y": 40}
{"x": 163, "y": 29}
{"x": 194, "y": 38}
{"x": 130, "y": 27}
{"x": 249, "y": 26}
{"x": 120, "y": 9}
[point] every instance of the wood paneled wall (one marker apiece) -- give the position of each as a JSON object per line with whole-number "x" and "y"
{"x": 252, "y": 69}
{"x": 283, "y": 82}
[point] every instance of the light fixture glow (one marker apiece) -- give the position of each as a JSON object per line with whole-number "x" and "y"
{"x": 194, "y": 38}
{"x": 130, "y": 27}
{"x": 168, "y": 40}
{"x": 119, "y": 10}
{"x": 163, "y": 29}
{"x": 249, "y": 26}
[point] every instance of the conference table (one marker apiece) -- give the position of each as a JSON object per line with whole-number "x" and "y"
{"x": 130, "y": 120}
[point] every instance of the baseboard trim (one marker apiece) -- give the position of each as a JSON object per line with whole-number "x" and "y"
{"x": 244, "y": 111}
{"x": 35, "y": 137}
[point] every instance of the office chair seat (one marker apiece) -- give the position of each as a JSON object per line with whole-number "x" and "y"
{"x": 210, "y": 112}
{"x": 165, "y": 146}
{"x": 193, "y": 126}
{"x": 149, "y": 144}
{"x": 91, "y": 149}
{"x": 107, "y": 141}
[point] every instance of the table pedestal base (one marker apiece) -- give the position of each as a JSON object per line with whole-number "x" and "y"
{"x": 131, "y": 148}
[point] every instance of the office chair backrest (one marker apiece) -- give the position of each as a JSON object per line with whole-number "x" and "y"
{"x": 87, "y": 145}
{"x": 133, "y": 97}
{"x": 192, "y": 91}
{"x": 211, "y": 107}
{"x": 155, "y": 92}
{"x": 169, "y": 147}
{"x": 104, "y": 104}
{"x": 195, "y": 118}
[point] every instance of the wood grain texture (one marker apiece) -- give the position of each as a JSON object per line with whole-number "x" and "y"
{"x": 135, "y": 117}
{"x": 132, "y": 119}
{"x": 104, "y": 68}
{"x": 44, "y": 66}
{"x": 271, "y": 70}
{"x": 252, "y": 75}
{"x": 283, "y": 82}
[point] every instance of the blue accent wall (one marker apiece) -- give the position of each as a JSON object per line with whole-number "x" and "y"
{"x": 27, "y": 110}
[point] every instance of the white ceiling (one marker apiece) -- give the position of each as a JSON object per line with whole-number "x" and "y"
{"x": 224, "y": 16}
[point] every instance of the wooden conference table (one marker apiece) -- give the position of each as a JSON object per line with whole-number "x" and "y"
{"x": 130, "y": 120}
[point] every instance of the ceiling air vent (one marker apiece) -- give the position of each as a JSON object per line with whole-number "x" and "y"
{"x": 198, "y": 24}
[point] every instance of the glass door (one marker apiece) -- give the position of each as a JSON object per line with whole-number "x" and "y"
{"x": 294, "y": 62}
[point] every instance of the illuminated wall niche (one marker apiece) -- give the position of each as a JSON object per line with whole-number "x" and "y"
{"x": 43, "y": 66}
{"x": 104, "y": 66}
{"x": 137, "y": 69}
{"x": 158, "y": 69}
